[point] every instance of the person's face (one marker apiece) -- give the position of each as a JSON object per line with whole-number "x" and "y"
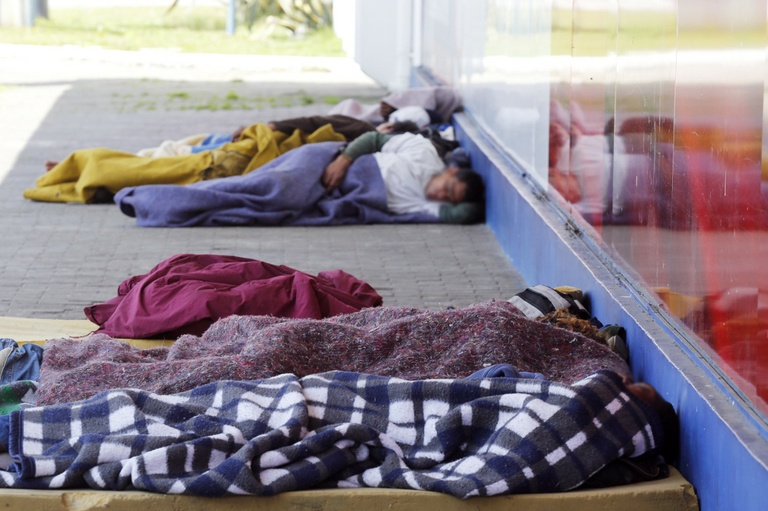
{"x": 385, "y": 109}
{"x": 446, "y": 187}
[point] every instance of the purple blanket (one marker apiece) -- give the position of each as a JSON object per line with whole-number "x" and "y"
{"x": 285, "y": 191}
{"x": 388, "y": 341}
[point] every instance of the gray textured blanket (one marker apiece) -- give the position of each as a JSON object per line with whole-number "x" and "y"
{"x": 389, "y": 341}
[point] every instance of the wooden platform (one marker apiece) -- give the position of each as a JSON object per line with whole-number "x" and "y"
{"x": 24, "y": 330}
{"x": 671, "y": 494}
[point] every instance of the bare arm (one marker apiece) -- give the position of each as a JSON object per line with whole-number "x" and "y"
{"x": 334, "y": 173}
{"x": 368, "y": 143}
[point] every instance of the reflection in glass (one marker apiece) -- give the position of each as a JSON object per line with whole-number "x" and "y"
{"x": 646, "y": 119}
{"x": 688, "y": 197}
{"x": 496, "y": 52}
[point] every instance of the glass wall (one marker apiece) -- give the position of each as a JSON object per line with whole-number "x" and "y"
{"x": 645, "y": 119}
{"x": 496, "y": 52}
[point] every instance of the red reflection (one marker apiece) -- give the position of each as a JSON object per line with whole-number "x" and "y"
{"x": 692, "y": 204}
{"x": 560, "y": 175}
{"x": 735, "y": 324}
{"x": 576, "y": 150}
{"x": 721, "y": 181}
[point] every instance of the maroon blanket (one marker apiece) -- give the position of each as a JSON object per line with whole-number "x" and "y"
{"x": 186, "y": 293}
{"x": 387, "y": 341}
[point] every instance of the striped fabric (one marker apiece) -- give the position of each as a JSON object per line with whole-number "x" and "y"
{"x": 540, "y": 300}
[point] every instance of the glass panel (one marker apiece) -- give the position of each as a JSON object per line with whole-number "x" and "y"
{"x": 646, "y": 118}
{"x": 439, "y": 40}
{"x": 586, "y": 103}
{"x": 498, "y": 51}
{"x": 689, "y": 206}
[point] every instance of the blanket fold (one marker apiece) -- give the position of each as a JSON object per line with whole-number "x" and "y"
{"x": 461, "y": 437}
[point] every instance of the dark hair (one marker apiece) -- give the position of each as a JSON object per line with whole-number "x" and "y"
{"x": 475, "y": 186}
{"x": 434, "y": 117}
{"x": 670, "y": 424}
{"x": 442, "y": 144}
{"x": 404, "y": 127}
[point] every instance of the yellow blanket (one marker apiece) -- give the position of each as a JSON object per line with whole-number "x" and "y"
{"x": 82, "y": 173}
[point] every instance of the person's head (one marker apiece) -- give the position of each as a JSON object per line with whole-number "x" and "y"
{"x": 565, "y": 318}
{"x": 558, "y": 138}
{"x": 397, "y": 127}
{"x": 385, "y": 109}
{"x": 414, "y": 114}
{"x": 646, "y": 393}
{"x": 456, "y": 185}
{"x": 666, "y": 412}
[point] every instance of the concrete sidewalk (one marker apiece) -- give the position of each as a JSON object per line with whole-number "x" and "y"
{"x": 55, "y": 259}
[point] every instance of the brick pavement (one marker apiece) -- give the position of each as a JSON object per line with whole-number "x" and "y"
{"x": 56, "y": 259}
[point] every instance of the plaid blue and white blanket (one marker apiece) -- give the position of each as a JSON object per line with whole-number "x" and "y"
{"x": 462, "y": 437}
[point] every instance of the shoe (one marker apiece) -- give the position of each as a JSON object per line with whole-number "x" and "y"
{"x": 616, "y": 338}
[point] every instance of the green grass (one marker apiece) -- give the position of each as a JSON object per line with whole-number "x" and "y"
{"x": 197, "y": 29}
{"x": 145, "y": 96}
{"x": 597, "y": 34}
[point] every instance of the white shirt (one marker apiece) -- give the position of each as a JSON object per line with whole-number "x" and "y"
{"x": 407, "y": 163}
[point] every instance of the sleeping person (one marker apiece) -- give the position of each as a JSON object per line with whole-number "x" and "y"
{"x": 377, "y": 178}
{"x": 408, "y": 121}
{"x": 95, "y": 175}
{"x": 439, "y": 102}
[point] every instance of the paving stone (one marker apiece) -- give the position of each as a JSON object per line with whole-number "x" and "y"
{"x": 57, "y": 258}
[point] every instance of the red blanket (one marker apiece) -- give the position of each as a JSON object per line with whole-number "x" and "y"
{"x": 186, "y": 293}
